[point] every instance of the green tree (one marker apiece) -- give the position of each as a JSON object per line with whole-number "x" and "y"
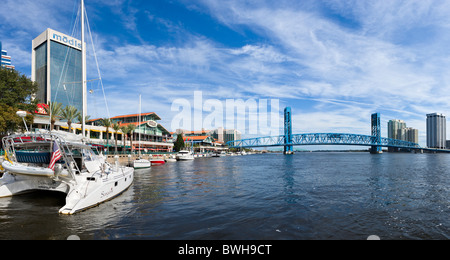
{"x": 179, "y": 143}
{"x": 106, "y": 122}
{"x": 125, "y": 132}
{"x": 69, "y": 113}
{"x": 9, "y": 121}
{"x": 131, "y": 129}
{"x": 16, "y": 91}
{"x": 80, "y": 118}
{"x": 116, "y": 128}
{"x": 54, "y": 110}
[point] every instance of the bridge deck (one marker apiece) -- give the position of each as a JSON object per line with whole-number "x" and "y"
{"x": 322, "y": 139}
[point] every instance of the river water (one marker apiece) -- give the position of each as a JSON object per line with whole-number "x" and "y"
{"x": 257, "y": 197}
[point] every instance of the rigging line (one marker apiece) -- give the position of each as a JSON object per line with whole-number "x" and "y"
{"x": 65, "y": 64}
{"x": 96, "y": 61}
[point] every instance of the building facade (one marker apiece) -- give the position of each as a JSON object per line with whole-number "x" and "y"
{"x": 225, "y": 136}
{"x": 436, "y": 130}
{"x": 57, "y": 69}
{"x": 5, "y": 61}
{"x": 397, "y": 130}
{"x": 153, "y": 136}
{"x": 393, "y": 128}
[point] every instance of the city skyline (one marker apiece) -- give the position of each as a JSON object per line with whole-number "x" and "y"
{"x": 333, "y": 62}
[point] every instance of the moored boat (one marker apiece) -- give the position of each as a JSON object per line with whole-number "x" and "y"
{"x": 185, "y": 156}
{"x": 141, "y": 164}
{"x": 49, "y": 162}
{"x": 158, "y": 161}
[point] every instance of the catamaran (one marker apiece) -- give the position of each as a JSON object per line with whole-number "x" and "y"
{"x": 62, "y": 162}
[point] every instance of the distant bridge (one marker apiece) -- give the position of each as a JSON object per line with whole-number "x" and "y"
{"x": 322, "y": 139}
{"x": 288, "y": 140}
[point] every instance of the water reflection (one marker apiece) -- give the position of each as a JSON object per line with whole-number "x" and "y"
{"x": 304, "y": 196}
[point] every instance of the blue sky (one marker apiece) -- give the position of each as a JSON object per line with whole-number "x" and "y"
{"x": 334, "y": 62}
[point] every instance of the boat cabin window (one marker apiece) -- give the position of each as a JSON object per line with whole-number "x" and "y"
{"x": 88, "y": 155}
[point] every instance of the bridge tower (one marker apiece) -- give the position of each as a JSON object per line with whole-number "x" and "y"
{"x": 376, "y": 133}
{"x": 288, "y": 147}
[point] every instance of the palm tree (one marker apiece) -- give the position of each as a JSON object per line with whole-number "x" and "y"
{"x": 69, "y": 113}
{"x": 80, "y": 118}
{"x": 54, "y": 110}
{"x": 125, "y": 132}
{"x": 106, "y": 122}
{"x": 116, "y": 128}
{"x": 131, "y": 129}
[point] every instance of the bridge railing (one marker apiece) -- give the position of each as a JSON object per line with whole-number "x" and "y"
{"x": 322, "y": 139}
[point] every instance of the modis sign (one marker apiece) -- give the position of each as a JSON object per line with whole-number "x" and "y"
{"x": 67, "y": 40}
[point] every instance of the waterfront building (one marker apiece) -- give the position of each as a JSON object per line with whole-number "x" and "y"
{"x": 154, "y": 137}
{"x": 5, "y": 61}
{"x": 393, "y": 128}
{"x": 226, "y": 135}
{"x": 436, "y": 130}
{"x": 56, "y": 65}
{"x": 397, "y": 130}
{"x": 202, "y": 140}
{"x": 412, "y": 135}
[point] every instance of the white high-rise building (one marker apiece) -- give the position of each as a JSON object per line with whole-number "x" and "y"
{"x": 436, "y": 131}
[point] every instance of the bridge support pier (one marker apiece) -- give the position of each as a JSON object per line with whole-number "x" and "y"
{"x": 376, "y": 133}
{"x": 288, "y": 147}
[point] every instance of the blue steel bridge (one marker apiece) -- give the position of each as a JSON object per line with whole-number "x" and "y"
{"x": 322, "y": 139}
{"x": 288, "y": 140}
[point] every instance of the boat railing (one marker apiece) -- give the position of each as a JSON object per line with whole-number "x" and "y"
{"x": 10, "y": 143}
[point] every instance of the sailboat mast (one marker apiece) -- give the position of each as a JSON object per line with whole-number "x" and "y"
{"x": 140, "y": 112}
{"x": 83, "y": 69}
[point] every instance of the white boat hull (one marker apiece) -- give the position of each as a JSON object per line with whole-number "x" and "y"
{"x": 87, "y": 194}
{"x": 95, "y": 192}
{"x": 185, "y": 158}
{"x": 142, "y": 164}
{"x": 11, "y": 185}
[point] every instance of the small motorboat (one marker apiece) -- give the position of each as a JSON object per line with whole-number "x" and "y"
{"x": 184, "y": 155}
{"x": 141, "y": 164}
{"x": 158, "y": 161}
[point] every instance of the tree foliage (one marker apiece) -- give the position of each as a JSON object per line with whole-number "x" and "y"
{"x": 179, "y": 143}
{"x": 70, "y": 113}
{"x": 16, "y": 91}
{"x": 54, "y": 109}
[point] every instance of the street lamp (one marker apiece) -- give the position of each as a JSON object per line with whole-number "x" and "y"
{"x": 23, "y": 114}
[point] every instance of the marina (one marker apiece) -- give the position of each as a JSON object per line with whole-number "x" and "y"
{"x": 206, "y": 153}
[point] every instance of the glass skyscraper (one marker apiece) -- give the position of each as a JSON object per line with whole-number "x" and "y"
{"x": 57, "y": 69}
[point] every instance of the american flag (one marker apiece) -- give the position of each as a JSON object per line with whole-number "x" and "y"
{"x": 56, "y": 156}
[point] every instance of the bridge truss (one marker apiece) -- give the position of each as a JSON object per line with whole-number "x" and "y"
{"x": 322, "y": 139}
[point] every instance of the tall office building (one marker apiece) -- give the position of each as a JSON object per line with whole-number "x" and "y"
{"x": 57, "y": 68}
{"x": 436, "y": 131}
{"x": 5, "y": 61}
{"x": 412, "y": 135}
